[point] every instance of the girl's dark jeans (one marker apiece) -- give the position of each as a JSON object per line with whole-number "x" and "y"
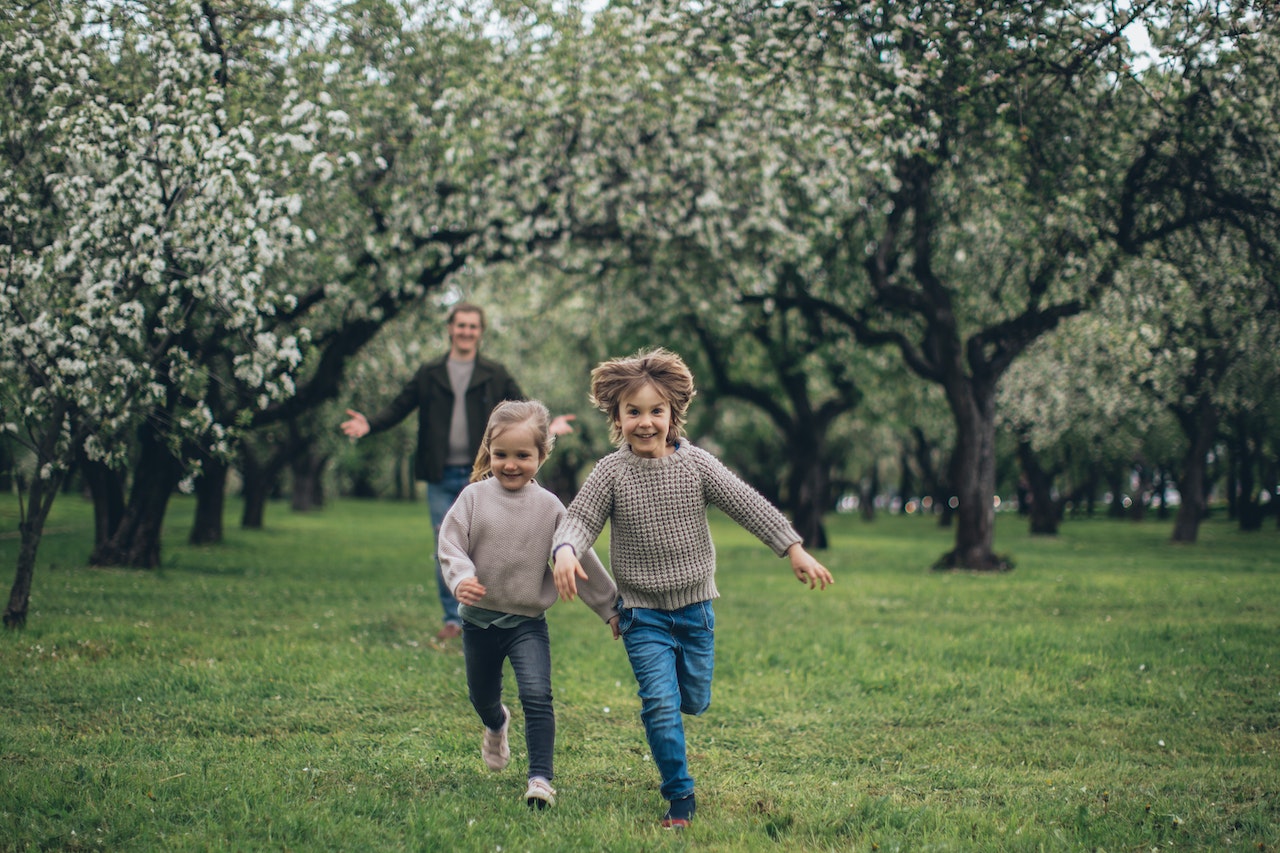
{"x": 528, "y": 646}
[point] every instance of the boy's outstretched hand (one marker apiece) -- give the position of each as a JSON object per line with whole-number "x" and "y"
{"x": 807, "y": 569}
{"x": 566, "y": 571}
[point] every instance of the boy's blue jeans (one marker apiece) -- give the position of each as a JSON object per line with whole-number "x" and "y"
{"x": 528, "y": 647}
{"x": 440, "y": 496}
{"x": 672, "y": 654}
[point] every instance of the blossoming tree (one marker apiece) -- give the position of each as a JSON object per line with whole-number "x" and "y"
{"x": 139, "y": 279}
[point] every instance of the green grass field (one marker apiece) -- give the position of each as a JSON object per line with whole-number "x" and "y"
{"x": 282, "y": 692}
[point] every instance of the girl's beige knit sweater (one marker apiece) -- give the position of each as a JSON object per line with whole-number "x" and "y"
{"x": 660, "y": 549}
{"x": 503, "y": 539}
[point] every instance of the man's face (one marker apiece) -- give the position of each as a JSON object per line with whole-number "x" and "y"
{"x": 465, "y": 332}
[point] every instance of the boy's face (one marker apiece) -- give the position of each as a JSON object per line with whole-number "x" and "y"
{"x": 514, "y": 457}
{"x": 644, "y": 419}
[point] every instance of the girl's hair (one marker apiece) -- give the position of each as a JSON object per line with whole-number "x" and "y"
{"x": 620, "y": 378}
{"x": 508, "y": 414}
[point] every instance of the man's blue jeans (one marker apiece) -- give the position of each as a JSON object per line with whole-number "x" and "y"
{"x": 528, "y": 647}
{"x": 440, "y": 496}
{"x": 672, "y": 654}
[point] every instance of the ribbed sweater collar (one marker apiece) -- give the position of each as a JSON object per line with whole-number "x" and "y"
{"x": 649, "y": 462}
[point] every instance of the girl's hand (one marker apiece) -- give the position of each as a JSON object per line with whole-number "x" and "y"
{"x": 807, "y": 569}
{"x": 469, "y": 591}
{"x": 566, "y": 571}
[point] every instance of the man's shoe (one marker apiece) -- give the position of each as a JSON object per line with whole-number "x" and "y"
{"x": 540, "y": 793}
{"x": 450, "y": 631}
{"x": 679, "y": 813}
{"x": 494, "y": 748}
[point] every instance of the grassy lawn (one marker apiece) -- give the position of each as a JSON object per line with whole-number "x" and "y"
{"x": 282, "y": 692}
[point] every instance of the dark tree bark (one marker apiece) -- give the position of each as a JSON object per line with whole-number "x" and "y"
{"x": 1200, "y": 424}
{"x": 40, "y": 499}
{"x": 1116, "y": 483}
{"x": 811, "y": 495}
{"x": 1138, "y": 511}
{"x": 906, "y": 478}
{"x": 106, "y": 490}
{"x": 135, "y": 542}
{"x": 1245, "y": 460}
{"x": 791, "y": 349}
{"x": 973, "y": 404}
{"x": 30, "y": 532}
{"x": 1160, "y": 495}
{"x": 211, "y": 501}
{"x": 259, "y": 479}
{"x": 404, "y": 484}
{"x": 308, "y": 486}
{"x": 930, "y": 480}
{"x": 1091, "y": 493}
{"x": 948, "y": 500}
{"x": 869, "y": 488}
{"x": 1042, "y": 509}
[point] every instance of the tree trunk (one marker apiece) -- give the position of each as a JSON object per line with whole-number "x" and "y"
{"x": 308, "y": 489}
{"x": 30, "y": 531}
{"x": 1249, "y": 509}
{"x": 810, "y": 491}
{"x": 1115, "y": 482}
{"x": 870, "y": 487}
{"x": 261, "y": 481}
{"x": 211, "y": 501}
{"x": 1091, "y": 501}
{"x": 973, "y": 404}
{"x": 136, "y": 540}
{"x": 1042, "y": 510}
{"x": 948, "y": 500}
{"x": 931, "y": 485}
{"x": 405, "y": 484}
{"x": 906, "y": 480}
{"x": 1138, "y": 511}
{"x": 106, "y": 489}
{"x": 1160, "y": 495}
{"x": 254, "y": 489}
{"x": 1200, "y": 426}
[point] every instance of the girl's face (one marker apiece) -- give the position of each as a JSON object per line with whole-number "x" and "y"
{"x": 514, "y": 457}
{"x": 644, "y": 419}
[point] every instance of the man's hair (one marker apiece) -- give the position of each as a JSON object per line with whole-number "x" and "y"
{"x": 508, "y": 414}
{"x": 621, "y": 378}
{"x": 465, "y": 308}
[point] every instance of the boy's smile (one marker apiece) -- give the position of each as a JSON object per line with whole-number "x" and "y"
{"x": 644, "y": 420}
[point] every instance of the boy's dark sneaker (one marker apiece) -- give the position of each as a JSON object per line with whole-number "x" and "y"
{"x": 679, "y": 813}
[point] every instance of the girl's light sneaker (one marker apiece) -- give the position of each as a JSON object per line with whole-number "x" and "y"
{"x": 540, "y": 793}
{"x": 494, "y": 748}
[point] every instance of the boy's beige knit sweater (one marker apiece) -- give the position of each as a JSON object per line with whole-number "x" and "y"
{"x": 660, "y": 549}
{"x": 503, "y": 538}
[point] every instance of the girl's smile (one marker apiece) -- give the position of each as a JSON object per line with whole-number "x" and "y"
{"x": 514, "y": 457}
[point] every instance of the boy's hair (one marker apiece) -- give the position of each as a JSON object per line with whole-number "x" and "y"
{"x": 620, "y": 378}
{"x": 508, "y": 414}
